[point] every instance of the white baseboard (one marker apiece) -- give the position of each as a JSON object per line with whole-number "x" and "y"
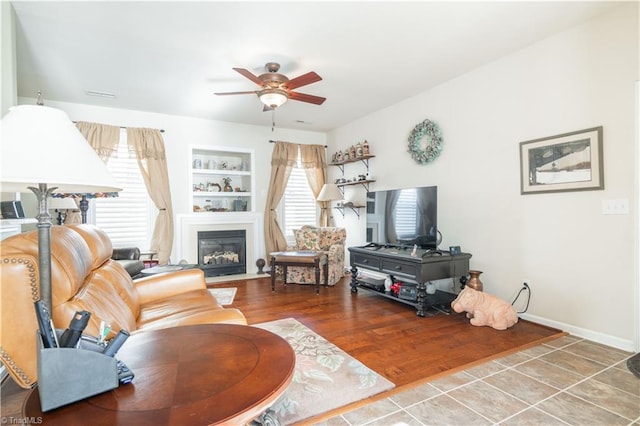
{"x": 594, "y": 336}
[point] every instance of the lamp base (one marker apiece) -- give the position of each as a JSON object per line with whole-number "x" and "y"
{"x": 43, "y": 193}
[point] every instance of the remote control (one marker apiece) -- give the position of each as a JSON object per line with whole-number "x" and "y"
{"x": 124, "y": 374}
{"x": 49, "y": 338}
{"x": 115, "y": 343}
{"x": 71, "y": 335}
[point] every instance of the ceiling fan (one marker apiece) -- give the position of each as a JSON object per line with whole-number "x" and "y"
{"x": 276, "y": 88}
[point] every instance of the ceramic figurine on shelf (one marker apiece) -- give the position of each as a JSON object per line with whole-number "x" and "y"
{"x": 359, "y": 150}
{"x": 227, "y": 185}
{"x": 352, "y": 152}
{"x": 365, "y": 148}
{"x": 339, "y": 157}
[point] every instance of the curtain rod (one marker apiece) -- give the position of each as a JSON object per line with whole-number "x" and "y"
{"x": 272, "y": 141}
{"x": 122, "y": 127}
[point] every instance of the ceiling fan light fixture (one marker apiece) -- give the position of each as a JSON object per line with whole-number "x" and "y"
{"x": 273, "y": 97}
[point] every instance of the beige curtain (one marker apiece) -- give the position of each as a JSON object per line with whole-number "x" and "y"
{"x": 283, "y": 159}
{"x": 148, "y": 146}
{"x": 104, "y": 140}
{"x": 315, "y": 166}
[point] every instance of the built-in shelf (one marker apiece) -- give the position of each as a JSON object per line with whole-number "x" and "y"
{"x": 211, "y": 166}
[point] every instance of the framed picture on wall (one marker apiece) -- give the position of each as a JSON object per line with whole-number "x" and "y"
{"x": 568, "y": 162}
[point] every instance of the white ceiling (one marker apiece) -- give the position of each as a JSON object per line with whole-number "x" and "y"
{"x": 170, "y": 57}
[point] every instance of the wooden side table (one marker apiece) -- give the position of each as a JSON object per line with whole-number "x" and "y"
{"x": 149, "y": 261}
{"x": 196, "y": 375}
{"x": 309, "y": 259}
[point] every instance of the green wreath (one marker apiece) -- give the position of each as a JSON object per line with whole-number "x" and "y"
{"x": 429, "y": 130}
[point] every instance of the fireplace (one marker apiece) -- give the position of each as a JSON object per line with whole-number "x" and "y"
{"x": 222, "y": 252}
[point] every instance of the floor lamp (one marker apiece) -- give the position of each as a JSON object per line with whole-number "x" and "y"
{"x": 42, "y": 151}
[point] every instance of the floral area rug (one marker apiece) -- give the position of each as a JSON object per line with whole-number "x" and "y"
{"x": 325, "y": 376}
{"x": 224, "y": 296}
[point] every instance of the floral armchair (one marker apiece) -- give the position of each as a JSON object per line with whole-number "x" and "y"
{"x": 329, "y": 240}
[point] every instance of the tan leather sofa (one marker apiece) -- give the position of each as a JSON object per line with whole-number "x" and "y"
{"x": 84, "y": 277}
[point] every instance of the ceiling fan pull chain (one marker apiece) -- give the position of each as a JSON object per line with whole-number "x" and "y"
{"x": 273, "y": 119}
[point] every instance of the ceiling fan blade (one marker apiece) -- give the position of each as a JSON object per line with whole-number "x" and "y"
{"x": 236, "y": 93}
{"x": 303, "y": 80}
{"x": 303, "y": 97}
{"x": 248, "y": 74}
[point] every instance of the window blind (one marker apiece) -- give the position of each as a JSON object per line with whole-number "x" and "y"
{"x": 299, "y": 205}
{"x": 128, "y": 218}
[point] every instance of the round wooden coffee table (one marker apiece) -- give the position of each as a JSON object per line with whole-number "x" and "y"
{"x": 196, "y": 375}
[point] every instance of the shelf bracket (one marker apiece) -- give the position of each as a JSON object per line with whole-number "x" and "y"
{"x": 365, "y": 185}
{"x": 365, "y": 161}
{"x": 355, "y": 209}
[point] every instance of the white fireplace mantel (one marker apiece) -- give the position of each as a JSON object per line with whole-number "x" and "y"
{"x": 188, "y": 226}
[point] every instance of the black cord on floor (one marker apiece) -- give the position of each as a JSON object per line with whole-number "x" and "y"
{"x": 525, "y": 286}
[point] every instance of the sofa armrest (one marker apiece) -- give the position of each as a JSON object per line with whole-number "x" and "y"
{"x": 161, "y": 286}
{"x": 126, "y": 253}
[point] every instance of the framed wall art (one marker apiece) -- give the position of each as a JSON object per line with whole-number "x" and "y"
{"x": 568, "y": 162}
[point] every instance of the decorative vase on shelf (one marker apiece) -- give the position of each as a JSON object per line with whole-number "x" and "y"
{"x": 352, "y": 152}
{"x": 474, "y": 280}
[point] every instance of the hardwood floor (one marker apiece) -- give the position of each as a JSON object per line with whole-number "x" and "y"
{"x": 385, "y": 335}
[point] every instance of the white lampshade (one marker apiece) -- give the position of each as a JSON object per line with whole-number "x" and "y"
{"x": 41, "y": 149}
{"x": 273, "y": 97}
{"x": 40, "y": 145}
{"x": 56, "y": 203}
{"x": 330, "y": 192}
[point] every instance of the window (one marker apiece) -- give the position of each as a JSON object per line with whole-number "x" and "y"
{"x": 298, "y": 206}
{"x": 128, "y": 219}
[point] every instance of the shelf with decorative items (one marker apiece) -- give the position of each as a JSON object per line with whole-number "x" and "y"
{"x": 358, "y": 153}
{"x": 341, "y": 207}
{"x": 222, "y": 179}
{"x": 364, "y": 182}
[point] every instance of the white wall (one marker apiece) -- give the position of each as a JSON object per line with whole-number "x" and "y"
{"x": 8, "y": 87}
{"x": 578, "y": 262}
{"x": 182, "y": 132}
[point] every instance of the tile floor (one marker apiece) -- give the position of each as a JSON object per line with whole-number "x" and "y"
{"x": 568, "y": 381}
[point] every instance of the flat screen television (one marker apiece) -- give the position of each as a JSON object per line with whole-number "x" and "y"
{"x": 403, "y": 217}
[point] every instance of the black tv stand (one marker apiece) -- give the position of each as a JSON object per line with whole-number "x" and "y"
{"x": 418, "y": 269}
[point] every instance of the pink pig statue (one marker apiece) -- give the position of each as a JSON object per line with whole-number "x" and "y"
{"x": 485, "y": 309}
